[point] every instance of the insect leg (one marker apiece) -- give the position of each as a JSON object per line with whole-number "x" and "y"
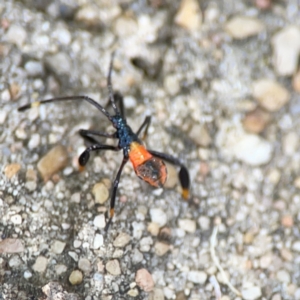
{"x": 114, "y": 192}
{"x": 183, "y": 175}
{"x": 90, "y": 133}
{"x": 85, "y": 155}
{"x": 146, "y": 124}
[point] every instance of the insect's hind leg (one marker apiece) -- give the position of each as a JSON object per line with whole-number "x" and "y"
{"x": 183, "y": 174}
{"x": 146, "y": 124}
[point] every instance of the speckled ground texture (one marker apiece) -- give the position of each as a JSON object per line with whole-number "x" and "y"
{"x": 222, "y": 82}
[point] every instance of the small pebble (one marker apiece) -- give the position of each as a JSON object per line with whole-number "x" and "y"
{"x": 161, "y": 248}
{"x": 76, "y": 277}
{"x": 100, "y": 192}
{"x": 189, "y": 15}
{"x": 241, "y": 27}
{"x": 157, "y": 294}
{"x": 59, "y": 63}
{"x": 75, "y": 198}
{"x": 11, "y": 246}
{"x": 60, "y": 269}
{"x": 265, "y": 261}
{"x": 200, "y": 135}
{"x": 125, "y": 26}
{"x": 146, "y": 243}
{"x": 11, "y": 170}
{"x": 73, "y": 254}
{"x": 198, "y": 277}
{"x": 113, "y": 267}
{"x": 31, "y": 175}
{"x": 172, "y": 84}
{"x": 296, "y": 246}
{"x": 251, "y": 293}
{"x": 158, "y": 216}
{"x": 31, "y": 186}
{"x": 16, "y": 219}
{"x": 253, "y": 150}
{"x": 3, "y": 115}
{"x": 286, "y": 50}
{"x": 58, "y": 247}
{"x": 283, "y": 276}
{"x": 17, "y": 35}
{"x": 99, "y": 221}
{"x": 55, "y": 160}
{"x": 286, "y": 254}
{"x": 40, "y": 264}
{"x": 144, "y": 280}
{"x": 137, "y": 256}
{"x": 84, "y": 265}
{"x": 51, "y": 289}
{"x": 256, "y": 120}
{"x": 153, "y": 228}
{"x": 133, "y": 293}
{"x": 204, "y": 222}
{"x": 98, "y": 241}
{"x": 276, "y": 297}
{"x": 88, "y": 15}
{"x": 290, "y": 143}
{"x": 14, "y": 261}
{"x": 27, "y": 274}
{"x": 34, "y": 68}
{"x": 187, "y": 225}
{"x": 270, "y": 94}
{"x": 122, "y": 240}
{"x": 287, "y": 221}
{"x": 34, "y": 141}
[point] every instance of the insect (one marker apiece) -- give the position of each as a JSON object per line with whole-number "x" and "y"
{"x": 148, "y": 164}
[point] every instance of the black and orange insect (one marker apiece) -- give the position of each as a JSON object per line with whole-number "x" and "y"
{"x": 148, "y": 164}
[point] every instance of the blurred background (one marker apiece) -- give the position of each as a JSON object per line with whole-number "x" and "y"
{"x": 221, "y": 80}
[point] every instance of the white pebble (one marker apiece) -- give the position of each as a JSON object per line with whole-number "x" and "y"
{"x": 98, "y": 241}
{"x": 40, "y": 264}
{"x": 122, "y": 240}
{"x": 197, "y": 277}
{"x": 296, "y": 246}
{"x": 251, "y": 293}
{"x": 286, "y": 49}
{"x": 241, "y": 27}
{"x": 16, "y": 34}
{"x": 145, "y": 244}
{"x": 283, "y": 276}
{"x": 34, "y": 68}
{"x": 16, "y": 219}
{"x": 58, "y": 247}
{"x": 158, "y": 216}
{"x": 99, "y": 221}
{"x": 187, "y": 225}
{"x": 27, "y": 274}
{"x": 113, "y": 267}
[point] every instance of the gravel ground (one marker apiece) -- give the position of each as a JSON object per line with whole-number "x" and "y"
{"x": 222, "y": 82}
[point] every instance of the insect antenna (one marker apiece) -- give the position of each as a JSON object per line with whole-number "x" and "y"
{"x": 60, "y": 99}
{"x": 110, "y": 87}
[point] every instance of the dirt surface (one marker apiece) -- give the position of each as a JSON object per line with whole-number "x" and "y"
{"x": 221, "y": 81}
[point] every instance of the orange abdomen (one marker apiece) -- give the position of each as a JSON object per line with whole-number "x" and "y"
{"x": 147, "y": 167}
